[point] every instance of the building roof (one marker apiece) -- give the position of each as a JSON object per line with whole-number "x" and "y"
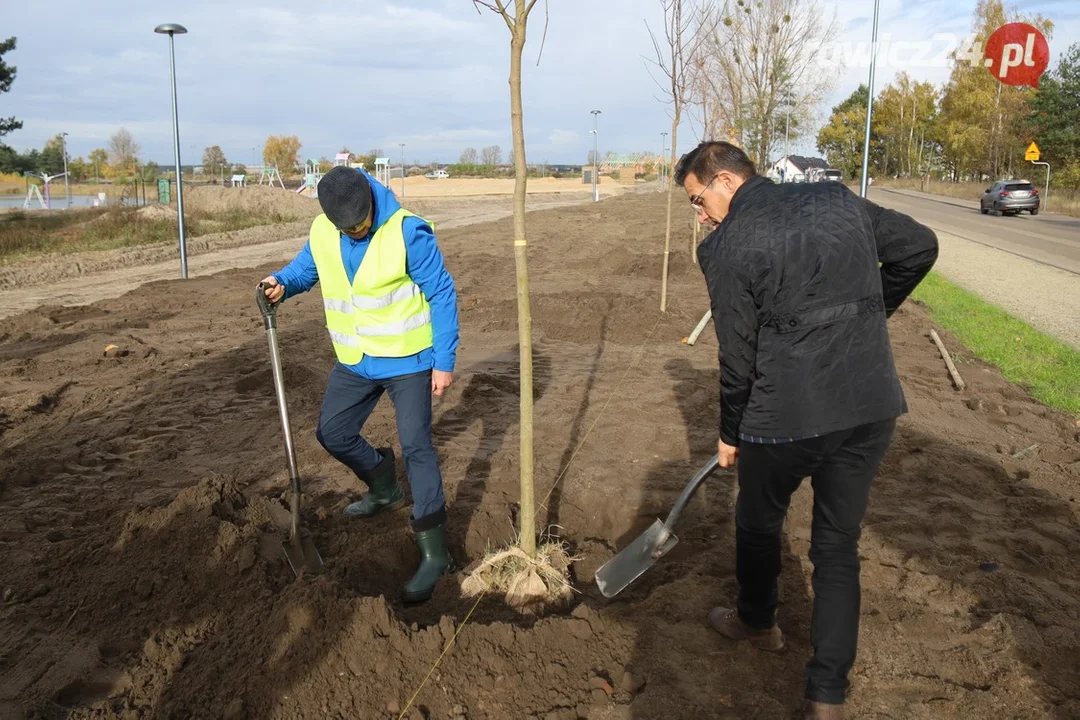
{"x": 805, "y": 163}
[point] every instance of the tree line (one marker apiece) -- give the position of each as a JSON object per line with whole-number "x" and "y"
{"x": 972, "y": 127}
{"x": 756, "y": 73}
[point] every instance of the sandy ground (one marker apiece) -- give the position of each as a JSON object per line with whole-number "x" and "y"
{"x": 423, "y": 187}
{"x": 83, "y": 277}
{"x": 141, "y": 503}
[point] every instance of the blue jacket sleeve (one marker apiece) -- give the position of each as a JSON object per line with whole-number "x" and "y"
{"x": 300, "y": 275}
{"x": 424, "y": 263}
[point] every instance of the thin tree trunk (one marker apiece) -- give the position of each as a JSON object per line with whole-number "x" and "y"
{"x": 911, "y": 137}
{"x": 918, "y": 162}
{"x": 670, "y": 194}
{"x": 528, "y": 501}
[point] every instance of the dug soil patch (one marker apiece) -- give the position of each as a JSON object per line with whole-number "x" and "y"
{"x": 142, "y": 500}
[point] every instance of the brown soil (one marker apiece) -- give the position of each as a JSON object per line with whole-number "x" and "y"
{"x": 142, "y": 502}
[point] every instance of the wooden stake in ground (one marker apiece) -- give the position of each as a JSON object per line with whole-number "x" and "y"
{"x": 675, "y": 61}
{"x": 700, "y": 326}
{"x": 957, "y": 380}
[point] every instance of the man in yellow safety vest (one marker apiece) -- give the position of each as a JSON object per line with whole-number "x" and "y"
{"x": 391, "y": 314}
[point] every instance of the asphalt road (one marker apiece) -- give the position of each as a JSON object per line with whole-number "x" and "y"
{"x": 1045, "y": 238}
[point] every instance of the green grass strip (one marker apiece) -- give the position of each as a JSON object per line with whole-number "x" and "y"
{"x": 1045, "y": 367}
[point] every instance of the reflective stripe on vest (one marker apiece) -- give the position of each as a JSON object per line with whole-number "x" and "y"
{"x": 341, "y": 306}
{"x": 374, "y": 303}
{"x": 398, "y": 328}
{"x": 382, "y": 312}
{"x": 343, "y": 339}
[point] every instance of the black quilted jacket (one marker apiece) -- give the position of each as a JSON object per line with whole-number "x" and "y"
{"x": 799, "y": 303}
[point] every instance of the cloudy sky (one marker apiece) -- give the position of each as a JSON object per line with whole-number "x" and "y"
{"x": 372, "y": 74}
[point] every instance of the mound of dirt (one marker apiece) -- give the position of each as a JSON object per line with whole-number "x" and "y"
{"x": 156, "y": 212}
{"x": 142, "y": 506}
{"x": 251, "y": 199}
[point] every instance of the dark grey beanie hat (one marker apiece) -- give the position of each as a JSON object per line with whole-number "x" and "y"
{"x": 345, "y": 196}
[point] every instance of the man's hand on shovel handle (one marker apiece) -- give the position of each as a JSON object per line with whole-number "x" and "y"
{"x": 727, "y": 454}
{"x": 274, "y": 290}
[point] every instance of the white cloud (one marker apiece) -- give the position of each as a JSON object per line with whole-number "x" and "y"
{"x": 429, "y": 73}
{"x": 562, "y": 138}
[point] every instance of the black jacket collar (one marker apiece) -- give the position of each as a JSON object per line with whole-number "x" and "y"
{"x": 748, "y": 189}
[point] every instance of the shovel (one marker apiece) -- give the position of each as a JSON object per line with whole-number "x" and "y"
{"x": 627, "y": 566}
{"x": 299, "y": 551}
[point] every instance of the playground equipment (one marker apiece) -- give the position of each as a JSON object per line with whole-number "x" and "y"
{"x": 382, "y": 170}
{"x": 33, "y": 192}
{"x": 312, "y": 175}
{"x": 342, "y": 158}
{"x": 270, "y": 175}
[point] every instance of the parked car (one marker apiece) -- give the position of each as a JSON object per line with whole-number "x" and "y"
{"x": 437, "y": 175}
{"x": 832, "y": 174}
{"x": 1010, "y": 196}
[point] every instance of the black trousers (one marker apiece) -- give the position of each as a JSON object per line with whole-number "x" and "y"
{"x": 841, "y": 466}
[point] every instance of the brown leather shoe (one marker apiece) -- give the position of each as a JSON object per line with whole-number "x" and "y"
{"x": 726, "y": 622}
{"x": 822, "y": 711}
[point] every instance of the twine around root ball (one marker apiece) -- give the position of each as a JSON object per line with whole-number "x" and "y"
{"x": 529, "y": 584}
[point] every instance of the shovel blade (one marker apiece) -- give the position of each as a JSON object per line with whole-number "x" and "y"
{"x": 629, "y": 563}
{"x": 302, "y": 555}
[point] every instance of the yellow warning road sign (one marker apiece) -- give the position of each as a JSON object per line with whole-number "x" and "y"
{"x": 1032, "y": 152}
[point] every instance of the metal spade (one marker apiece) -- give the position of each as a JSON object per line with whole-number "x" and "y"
{"x": 628, "y": 564}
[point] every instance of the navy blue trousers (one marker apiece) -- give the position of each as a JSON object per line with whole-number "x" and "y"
{"x": 349, "y": 402}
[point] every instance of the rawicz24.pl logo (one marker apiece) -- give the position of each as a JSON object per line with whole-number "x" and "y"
{"x": 1015, "y": 54}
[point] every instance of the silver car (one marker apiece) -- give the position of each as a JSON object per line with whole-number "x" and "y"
{"x": 1010, "y": 196}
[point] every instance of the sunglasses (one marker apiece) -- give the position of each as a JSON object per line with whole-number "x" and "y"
{"x": 695, "y": 201}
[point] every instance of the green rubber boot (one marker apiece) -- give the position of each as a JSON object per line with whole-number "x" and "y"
{"x": 435, "y": 561}
{"x": 384, "y": 491}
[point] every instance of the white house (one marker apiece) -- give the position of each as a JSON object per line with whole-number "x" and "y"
{"x": 795, "y": 168}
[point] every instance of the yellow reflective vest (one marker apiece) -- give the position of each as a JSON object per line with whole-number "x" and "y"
{"x": 383, "y": 312}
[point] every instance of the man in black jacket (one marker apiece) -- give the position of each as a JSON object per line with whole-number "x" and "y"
{"x": 807, "y": 381}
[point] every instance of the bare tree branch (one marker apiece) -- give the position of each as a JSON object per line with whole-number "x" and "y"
{"x": 756, "y": 53}
{"x": 543, "y": 39}
{"x": 499, "y": 9}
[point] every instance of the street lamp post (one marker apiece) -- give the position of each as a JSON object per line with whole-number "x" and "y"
{"x": 402, "y": 169}
{"x": 595, "y": 157}
{"x": 67, "y": 186}
{"x": 171, "y": 29}
{"x": 869, "y": 105}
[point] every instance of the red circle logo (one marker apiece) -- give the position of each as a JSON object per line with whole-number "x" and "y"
{"x": 1017, "y": 54}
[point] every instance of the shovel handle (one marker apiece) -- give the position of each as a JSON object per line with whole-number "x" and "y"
{"x": 687, "y": 493}
{"x": 266, "y": 308}
{"x": 269, "y": 314}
